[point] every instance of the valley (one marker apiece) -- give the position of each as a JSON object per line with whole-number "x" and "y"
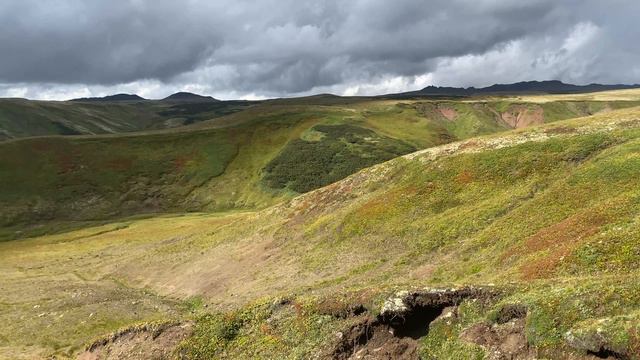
{"x": 289, "y": 228}
{"x": 246, "y": 160}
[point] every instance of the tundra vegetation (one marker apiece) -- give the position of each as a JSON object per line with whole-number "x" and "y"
{"x": 478, "y": 228}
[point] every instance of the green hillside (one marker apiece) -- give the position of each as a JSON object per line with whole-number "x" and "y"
{"x": 507, "y": 243}
{"x": 24, "y": 118}
{"x": 246, "y": 159}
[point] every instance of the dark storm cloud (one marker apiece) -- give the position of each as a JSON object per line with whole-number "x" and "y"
{"x": 295, "y": 51}
{"x": 100, "y": 41}
{"x": 280, "y": 47}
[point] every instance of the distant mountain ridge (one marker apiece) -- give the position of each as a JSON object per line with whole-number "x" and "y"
{"x": 179, "y": 96}
{"x": 547, "y": 87}
{"x": 523, "y": 87}
{"x": 116, "y": 97}
{"x": 187, "y": 96}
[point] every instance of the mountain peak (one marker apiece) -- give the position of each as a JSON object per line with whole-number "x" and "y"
{"x": 187, "y": 96}
{"x": 116, "y": 97}
{"x": 523, "y": 87}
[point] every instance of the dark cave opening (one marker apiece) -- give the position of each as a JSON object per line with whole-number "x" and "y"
{"x": 415, "y": 323}
{"x": 606, "y": 354}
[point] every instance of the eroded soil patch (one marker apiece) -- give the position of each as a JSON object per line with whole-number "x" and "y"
{"x": 150, "y": 341}
{"x": 403, "y": 320}
{"x": 505, "y": 339}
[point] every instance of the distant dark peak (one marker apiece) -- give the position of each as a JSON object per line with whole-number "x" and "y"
{"x": 187, "y": 96}
{"x": 533, "y": 86}
{"x": 325, "y": 95}
{"x": 523, "y": 87}
{"x": 116, "y": 97}
{"x": 553, "y": 87}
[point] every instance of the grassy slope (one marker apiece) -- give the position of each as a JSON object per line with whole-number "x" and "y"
{"x": 24, "y": 118}
{"x": 220, "y": 164}
{"x": 548, "y": 213}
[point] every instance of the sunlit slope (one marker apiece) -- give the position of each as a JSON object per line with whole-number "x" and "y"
{"x": 549, "y": 211}
{"x": 550, "y": 201}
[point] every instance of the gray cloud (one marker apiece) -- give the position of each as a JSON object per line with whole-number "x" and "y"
{"x": 285, "y": 47}
{"x": 99, "y": 42}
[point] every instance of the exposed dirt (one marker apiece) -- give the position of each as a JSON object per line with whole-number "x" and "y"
{"x": 505, "y": 341}
{"x": 520, "y": 116}
{"x": 403, "y": 320}
{"x": 143, "y": 342}
{"x": 448, "y": 112}
{"x": 510, "y": 312}
{"x": 370, "y": 339}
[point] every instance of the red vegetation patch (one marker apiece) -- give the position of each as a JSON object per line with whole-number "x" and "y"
{"x": 380, "y": 205}
{"x": 320, "y": 200}
{"x": 65, "y": 161}
{"x": 63, "y": 156}
{"x": 559, "y": 240}
{"x": 41, "y": 145}
{"x": 181, "y": 162}
{"x": 545, "y": 267}
{"x": 119, "y": 164}
{"x": 464, "y": 177}
{"x": 375, "y": 207}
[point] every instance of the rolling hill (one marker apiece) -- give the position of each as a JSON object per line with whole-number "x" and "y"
{"x": 249, "y": 159}
{"x": 121, "y": 113}
{"x": 112, "y": 98}
{"x": 187, "y": 96}
{"x": 503, "y": 245}
{"x": 21, "y": 118}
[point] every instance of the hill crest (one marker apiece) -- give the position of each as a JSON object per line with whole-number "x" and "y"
{"x": 115, "y": 97}
{"x": 523, "y": 87}
{"x": 187, "y": 96}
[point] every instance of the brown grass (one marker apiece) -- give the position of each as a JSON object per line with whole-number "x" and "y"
{"x": 557, "y": 241}
{"x": 465, "y": 177}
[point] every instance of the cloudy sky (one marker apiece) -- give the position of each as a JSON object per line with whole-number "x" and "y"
{"x": 255, "y": 49}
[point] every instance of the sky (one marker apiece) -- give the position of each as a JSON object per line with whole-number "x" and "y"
{"x": 234, "y": 49}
